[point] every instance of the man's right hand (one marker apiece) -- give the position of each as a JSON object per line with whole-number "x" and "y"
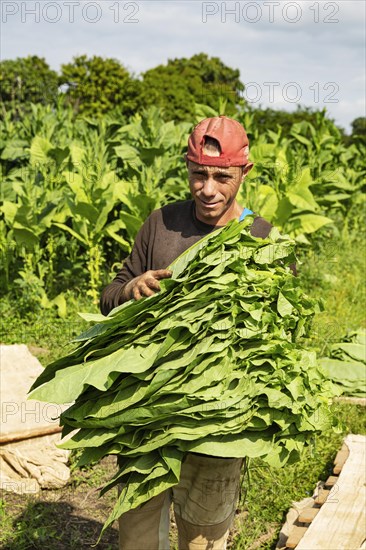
{"x": 146, "y": 284}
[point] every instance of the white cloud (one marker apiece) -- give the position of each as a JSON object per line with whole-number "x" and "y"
{"x": 306, "y": 51}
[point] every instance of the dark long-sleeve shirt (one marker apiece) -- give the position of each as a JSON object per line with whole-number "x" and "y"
{"x": 166, "y": 233}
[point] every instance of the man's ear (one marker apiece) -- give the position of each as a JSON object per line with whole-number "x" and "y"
{"x": 247, "y": 168}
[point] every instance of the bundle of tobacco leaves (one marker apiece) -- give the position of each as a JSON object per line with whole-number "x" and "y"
{"x": 211, "y": 364}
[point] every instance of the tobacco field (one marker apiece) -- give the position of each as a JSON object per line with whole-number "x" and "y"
{"x": 75, "y": 192}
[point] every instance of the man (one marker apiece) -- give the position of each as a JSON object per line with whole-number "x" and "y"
{"x": 205, "y": 498}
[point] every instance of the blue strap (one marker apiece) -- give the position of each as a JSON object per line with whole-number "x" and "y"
{"x": 245, "y": 213}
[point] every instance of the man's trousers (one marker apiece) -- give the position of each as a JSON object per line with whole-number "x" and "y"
{"x": 204, "y": 504}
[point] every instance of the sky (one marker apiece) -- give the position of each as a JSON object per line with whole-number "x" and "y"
{"x": 308, "y": 53}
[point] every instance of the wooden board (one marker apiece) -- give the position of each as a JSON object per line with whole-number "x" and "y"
{"x": 340, "y": 459}
{"x": 28, "y": 434}
{"x": 332, "y": 480}
{"x": 295, "y": 536}
{"x": 341, "y": 520}
{"x": 308, "y": 514}
{"x": 322, "y": 496}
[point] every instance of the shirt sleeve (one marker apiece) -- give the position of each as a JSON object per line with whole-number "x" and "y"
{"x": 134, "y": 265}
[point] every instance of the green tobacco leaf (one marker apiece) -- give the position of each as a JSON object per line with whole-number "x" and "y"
{"x": 72, "y": 232}
{"x": 24, "y": 236}
{"x": 231, "y": 446}
{"x": 344, "y": 370}
{"x": 308, "y": 223}
{"x": 60, "y": 302}
{"x": 9, "y": 210}
{"x": 131, "y": 223}
{"x": 302, "y": 198}
{"x": 15, "y": 149}
{"x": 76, "y": 184}
{"x": 68, "y": 384}
{"x": 267, "y": 201}
{"x": 346, "y": 364}
{"x": 39, "y": 150}
{"x": 77, "y": 156}
{"x": 284, "y": 307}
{"x": 355, "y": 351}
{"x": 128, "y": 154}
{"x": 85, "y": 210}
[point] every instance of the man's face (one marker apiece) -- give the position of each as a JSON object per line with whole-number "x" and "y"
{"x": 214, "y": 190}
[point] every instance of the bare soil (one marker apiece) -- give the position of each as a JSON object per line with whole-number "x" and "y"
{"x": 68, "y": 518}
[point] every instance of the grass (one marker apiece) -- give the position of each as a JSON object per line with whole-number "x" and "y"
{"x": 46, "y": 334}
{"x": 334, "y": 272}
{"x": 71, "y": 518}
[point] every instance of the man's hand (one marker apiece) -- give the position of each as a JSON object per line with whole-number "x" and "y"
{"x": 146, "y": 284}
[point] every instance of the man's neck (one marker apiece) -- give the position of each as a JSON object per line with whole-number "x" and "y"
{"x": 233, "y": 213}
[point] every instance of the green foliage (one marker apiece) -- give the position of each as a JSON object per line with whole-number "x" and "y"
{"x": 75, "y": 191}
{"x": 358, "y": 131}
{"x": 346, "y": 364}
{"x": 43, "y": 330}
{"x": 151, "y": 151}
{"x": 305, "y": 179}
{"x": 275, "y": 119}
{"x": 26, "y": 80}
{"x": 182, "y": 82}
{"x": 96, "y": 86}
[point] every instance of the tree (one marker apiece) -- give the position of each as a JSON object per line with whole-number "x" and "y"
{"x": 182, "y": 82}
{"x": 358, "y": 130}
{"x": 270, "y": 119}
{"x": 96, "y": 86}
{"x": 27, "y": 80}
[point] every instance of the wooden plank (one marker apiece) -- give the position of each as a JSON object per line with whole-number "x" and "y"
{"x": 344, "y": 449}
{"x": 342, "y": 455}
{"x": 307, "y": 515}
{"x": 322, "y": 496}
{"x": 337, "y": 469}
{"x": 341, "y": 520}
{"x": 331, "y": 481}
{"x": 340, "y": 459}
{"x": 27, "y": 434}
{"x": 295, "y": 536}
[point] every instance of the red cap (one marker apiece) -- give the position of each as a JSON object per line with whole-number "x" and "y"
{"x": 229, "y": 133}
